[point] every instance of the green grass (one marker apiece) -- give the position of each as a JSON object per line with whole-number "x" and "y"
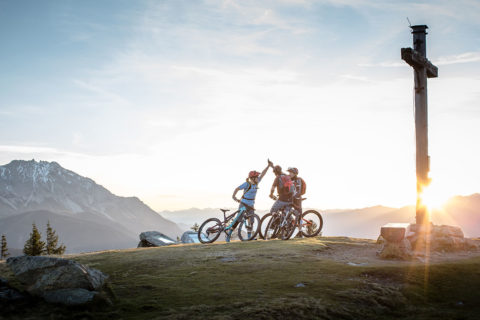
{"x": 257, "y": 280}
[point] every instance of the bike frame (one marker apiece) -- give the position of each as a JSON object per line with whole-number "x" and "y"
{"x": 298, "y": 219}
{"x": 227, "y": 218}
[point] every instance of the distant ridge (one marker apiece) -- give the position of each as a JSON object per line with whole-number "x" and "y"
{"x": 463, "y": 211}
{"x": 33, "y": 189}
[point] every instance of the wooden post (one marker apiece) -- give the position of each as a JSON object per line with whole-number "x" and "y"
{"x": 422, "y": 69}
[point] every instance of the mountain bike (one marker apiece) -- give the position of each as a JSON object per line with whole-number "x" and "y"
{"x": 282, "y": 224}
{"x": 248, "y": 224}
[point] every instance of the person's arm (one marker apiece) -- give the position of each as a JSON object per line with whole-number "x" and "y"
{"x": 272, "y": 190}
{"x": 264, "y": 171}
{"x": 234, "y": 196}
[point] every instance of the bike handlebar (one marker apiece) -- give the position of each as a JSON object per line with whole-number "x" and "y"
{"x": 274, "y": 197}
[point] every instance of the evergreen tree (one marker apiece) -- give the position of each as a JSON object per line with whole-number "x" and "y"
{"x": 34, "y": 245}
{"x": 4, "y": 250}
{"x": 52, "y": 242}
{"x": 195, "y": 227}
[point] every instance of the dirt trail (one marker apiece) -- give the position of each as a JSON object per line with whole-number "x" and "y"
{"x": 361, "y": 252}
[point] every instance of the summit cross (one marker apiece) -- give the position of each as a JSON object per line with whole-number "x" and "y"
{"x": 423, "y": 69}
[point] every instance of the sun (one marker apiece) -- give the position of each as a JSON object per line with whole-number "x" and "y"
{"x": 434, "y": 197}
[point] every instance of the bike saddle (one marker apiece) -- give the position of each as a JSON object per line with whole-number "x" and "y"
{"x": 224, "y": 210}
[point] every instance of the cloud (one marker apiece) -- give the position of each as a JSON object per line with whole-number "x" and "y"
{"x": 385, "y": 64}
{"x": 458, "y": 58}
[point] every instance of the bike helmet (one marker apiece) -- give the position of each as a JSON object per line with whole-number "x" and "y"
{"x": 253, "y": 174}
{"x": 293, "y": 170}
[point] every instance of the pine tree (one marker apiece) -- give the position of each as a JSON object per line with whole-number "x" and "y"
{"x": 195, "y": 227}
{"x": 52, "y": 242}
{"x": 34, "y": 245}
{"x": 4, "y": 250}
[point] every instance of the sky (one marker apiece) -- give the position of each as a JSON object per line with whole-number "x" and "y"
{"x": 176, "y": 101}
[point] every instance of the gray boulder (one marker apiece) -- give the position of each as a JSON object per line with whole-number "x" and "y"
{"x": 10, "y": 295}
{"x": 70, "y": 297}
{"x": 56, "y": 279}
{"x": 154, "y": 239}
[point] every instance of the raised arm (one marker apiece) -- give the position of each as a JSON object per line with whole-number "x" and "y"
{"x": 264, "y": 171}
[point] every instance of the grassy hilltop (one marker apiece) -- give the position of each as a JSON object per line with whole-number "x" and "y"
{"x": 320, "y": 278}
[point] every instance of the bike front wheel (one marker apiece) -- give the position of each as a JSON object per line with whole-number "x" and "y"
{"x": 273, "y": 227}
{"x": 311, "y": 223}
{"x": 248, "y": 228}
{"x": 210, "y": 230}
{"x": 290, "y": 226}
{"x": 263, "y": 224}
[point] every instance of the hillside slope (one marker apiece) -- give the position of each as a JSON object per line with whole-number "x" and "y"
{"x": 40, "y": 186}
{"x": 75, "y": 232}
{"x": 320, "y": 278}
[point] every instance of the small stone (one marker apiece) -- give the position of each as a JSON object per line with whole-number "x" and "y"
{"x": 228, "y": 259}
{"x": 300, "y": 285}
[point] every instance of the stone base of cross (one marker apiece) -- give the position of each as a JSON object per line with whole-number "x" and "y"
{"x": 406, "y": 241}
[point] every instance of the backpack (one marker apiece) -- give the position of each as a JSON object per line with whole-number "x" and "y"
{"x": 303, "y": 186}
{"x": 246, "y": 190}
{"x": 286, "y": 186}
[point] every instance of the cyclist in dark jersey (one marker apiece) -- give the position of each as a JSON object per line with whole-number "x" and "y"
{"x": 300, "y": 186}
{"x": 284, "y": 199}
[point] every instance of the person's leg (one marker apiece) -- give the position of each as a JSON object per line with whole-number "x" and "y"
{"x": 250, "y": 212}
{"x": 229, "y": 229}
{"x": 277, "y": 206}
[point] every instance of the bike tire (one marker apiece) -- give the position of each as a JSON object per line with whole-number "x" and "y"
{"x": 320, "y": 223}
{"x": 217, "y": 231}
{"x": 264, "y": 222}
{"x": 292, "y": 225}
{"x": 243, "y": 225}
{"x": 274, "y": 226}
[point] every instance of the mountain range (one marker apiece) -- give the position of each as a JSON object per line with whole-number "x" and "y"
{"x": 462, "y": 211}
{"x": 86, "y": 215}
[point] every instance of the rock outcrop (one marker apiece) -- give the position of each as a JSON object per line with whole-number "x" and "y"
{"x": 154, "y": 239}
{"x": 403, "y": 241}
{"x": 57, "y": 280}
{"x": 190, "y": 237}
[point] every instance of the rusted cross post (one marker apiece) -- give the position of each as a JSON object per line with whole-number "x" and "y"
{"x": 423, "y": 69}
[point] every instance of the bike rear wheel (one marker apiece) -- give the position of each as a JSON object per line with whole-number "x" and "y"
{"x": 263, "y": 224}
{"x": 248, "y": 227}
{"x": 210, "y": 230}
{"x": 311, "y": 223}
{"x": 273, "y": 226}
